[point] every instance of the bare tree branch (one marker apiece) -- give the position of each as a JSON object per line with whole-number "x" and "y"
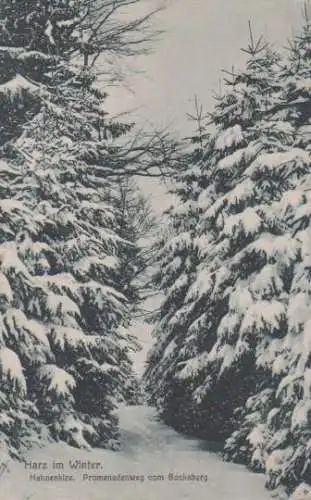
{"x": 111, "y": 27}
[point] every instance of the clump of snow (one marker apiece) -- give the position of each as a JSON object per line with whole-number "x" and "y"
{"x": 17, "y": 84}
{"x": 229, "y": 137}
{"x": 58, "y": 379}
{"x": 11, "y": 369}
{"x": 302, "y": 492}
{"x": 5, "y": 288}
{"x": 248, "y": 221}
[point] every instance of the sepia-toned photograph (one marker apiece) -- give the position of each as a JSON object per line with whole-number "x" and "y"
{"x": 155, "y": 249}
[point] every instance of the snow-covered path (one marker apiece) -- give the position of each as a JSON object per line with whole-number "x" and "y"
{"x": 151, "y": 451}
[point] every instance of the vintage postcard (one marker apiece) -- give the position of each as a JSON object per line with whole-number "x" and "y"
{"x": 155, "y": 249}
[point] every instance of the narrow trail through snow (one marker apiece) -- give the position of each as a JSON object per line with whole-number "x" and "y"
{"x": 148, "y": 448}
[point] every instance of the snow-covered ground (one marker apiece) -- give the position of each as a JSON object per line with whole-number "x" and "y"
{"x": 149, "y": 450}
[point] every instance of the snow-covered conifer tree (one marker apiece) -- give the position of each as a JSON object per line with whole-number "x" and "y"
{"x": 64, "y": 313}
{"x": 276, "y": 420}
{"x": 221, "y": 191}
{"x": 232, "y": 353}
